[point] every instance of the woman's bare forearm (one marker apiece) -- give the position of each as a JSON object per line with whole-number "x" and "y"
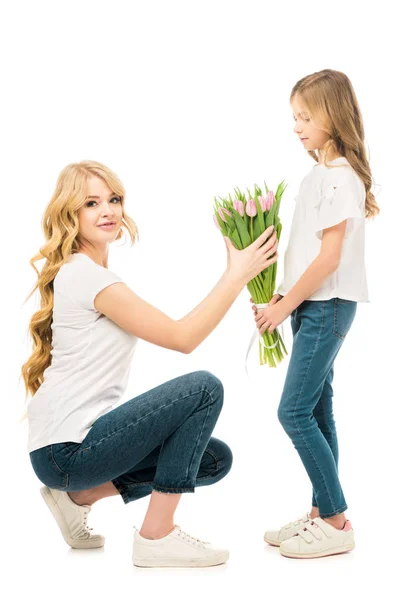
{"x": 202, "y": 320}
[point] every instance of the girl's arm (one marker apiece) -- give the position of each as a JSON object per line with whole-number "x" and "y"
{"x": 324, "y": 265}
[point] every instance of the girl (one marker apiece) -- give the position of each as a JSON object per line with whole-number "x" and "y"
{"x": 84, "y": 336}
{"x": 324, "y": 279}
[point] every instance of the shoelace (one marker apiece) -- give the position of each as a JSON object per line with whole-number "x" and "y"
{"x": 86, "y": 529}
{"x": 190, "y": 538}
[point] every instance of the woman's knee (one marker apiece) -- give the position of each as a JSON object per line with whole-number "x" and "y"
{"x": 212, "y": 384}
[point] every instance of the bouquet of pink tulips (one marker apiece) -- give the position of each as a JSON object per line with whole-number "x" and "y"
{"x": 243, "y": 220}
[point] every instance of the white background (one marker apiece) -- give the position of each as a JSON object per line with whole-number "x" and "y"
{"x": 185, "y": 100}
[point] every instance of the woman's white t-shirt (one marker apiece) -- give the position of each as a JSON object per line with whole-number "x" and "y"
{"x": 91, "y": 358}
{"x": 328, "y": 196}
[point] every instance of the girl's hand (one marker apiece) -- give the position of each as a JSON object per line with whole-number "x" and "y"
{"x": 246, "y": 264}
{"x": 271, "y": 316}
{"x": 273, "y": 301}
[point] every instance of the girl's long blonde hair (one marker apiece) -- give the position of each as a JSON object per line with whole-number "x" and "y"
{"x": 332, "y": 104}
{"x": 61, "y": 230}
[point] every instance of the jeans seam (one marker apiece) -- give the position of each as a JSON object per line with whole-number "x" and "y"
{"x": 324, "y": 418}
{"x": 335, "y": 326}
{"x": 295, "y": 407}
{"x": 143, "y": 417}
{"x": 52, "y": 459}
{"x": 198, "y": 438}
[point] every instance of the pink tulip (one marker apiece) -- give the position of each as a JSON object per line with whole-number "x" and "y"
{"x": 251, "y": 208}
{"x": 221, "y": 212}
{"x": 270, "y": 199}
{"x": 238, "y": 206}
{"x": 263, "y": 203}
{"x": 217, "y": 224}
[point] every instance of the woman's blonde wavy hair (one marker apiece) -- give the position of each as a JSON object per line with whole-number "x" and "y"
{"x": 61, "y": 230}
{"x": 333, "y": 107}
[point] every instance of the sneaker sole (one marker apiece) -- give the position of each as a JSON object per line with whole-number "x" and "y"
{"x": 272, "y": 542}
{"x": 177, "y": 562}
{"x": 57, "y": 514}
{"x": 332, "y": 551}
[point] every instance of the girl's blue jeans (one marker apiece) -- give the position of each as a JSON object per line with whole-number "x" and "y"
{"x": 305, "y": 410}
{"x": 160, "y": 440}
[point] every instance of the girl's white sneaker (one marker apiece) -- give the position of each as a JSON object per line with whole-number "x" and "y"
{"x": 318, "y": 539}
{"x": 71, "y": 519}
{"x": 177, "y": 549}
{"x": 275, "y": 538}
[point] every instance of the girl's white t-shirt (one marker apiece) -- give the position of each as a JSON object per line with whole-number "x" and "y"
{"x": 91, "y": 357}
{"x": 328, "y": 196}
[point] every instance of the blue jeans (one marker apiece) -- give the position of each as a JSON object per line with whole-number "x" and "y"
{"x": 305, "y": 410}
{"x": 160, "y": 440}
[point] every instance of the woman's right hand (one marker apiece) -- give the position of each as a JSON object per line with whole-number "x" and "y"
{"x": 246, "y": 264}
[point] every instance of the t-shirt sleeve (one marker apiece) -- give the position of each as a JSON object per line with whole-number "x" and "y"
{"x": 87, "y": 281}
{"x": 342, "y": 197}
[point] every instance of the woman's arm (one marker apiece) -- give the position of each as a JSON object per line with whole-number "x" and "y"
{"x": 136, "y": 316}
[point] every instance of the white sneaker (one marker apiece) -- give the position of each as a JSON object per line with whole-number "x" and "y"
{"x": 318, "y": 539}
{"x": 71, "y": 519}
{"x": 275, "y": 538}
{"x": 177, "y": 549}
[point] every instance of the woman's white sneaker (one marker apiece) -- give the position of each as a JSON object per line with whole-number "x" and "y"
{"x": 71, "y": 519}
{"x": 177, "y": 549}
{"x": 318, "y": 539}
{"x": 275, "y": 538}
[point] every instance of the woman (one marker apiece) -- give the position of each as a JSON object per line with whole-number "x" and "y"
{"x": 84, "y": 336}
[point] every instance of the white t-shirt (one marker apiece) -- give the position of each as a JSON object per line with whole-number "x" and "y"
{"x": 91, "y": 358}
{"x": 328, "y": 196}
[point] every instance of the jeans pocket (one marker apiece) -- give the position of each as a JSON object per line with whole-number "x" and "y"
{"x": 47, "y": 470}
{"x": 344, "y": 312}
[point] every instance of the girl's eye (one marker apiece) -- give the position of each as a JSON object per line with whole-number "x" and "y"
{"x": 117, "y": 198}
{"x": 304, "y": 119}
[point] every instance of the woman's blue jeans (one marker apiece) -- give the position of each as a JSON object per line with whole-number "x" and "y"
{"x": 305, "y": 410}
{"x": 160, "y": 440}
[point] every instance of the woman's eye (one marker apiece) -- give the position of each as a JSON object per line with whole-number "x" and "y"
{"x": 117, "y": 198}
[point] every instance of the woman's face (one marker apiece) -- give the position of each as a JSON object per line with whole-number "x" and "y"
{"x": 101, "y": 206}
{"x": 309, "y": 134}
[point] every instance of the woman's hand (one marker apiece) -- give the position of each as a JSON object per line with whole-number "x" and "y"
{"x": 246, "y": 264}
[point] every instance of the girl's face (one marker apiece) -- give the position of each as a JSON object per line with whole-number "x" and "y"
{"x": 101, "y": 206}
{"x": 309, "y": 134}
